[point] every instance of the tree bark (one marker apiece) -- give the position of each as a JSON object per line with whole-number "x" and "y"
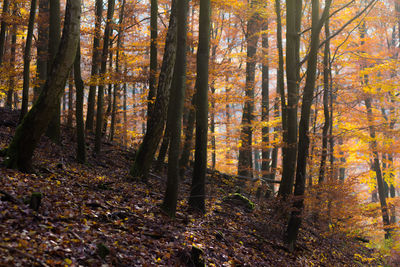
{"x": 303, "y": 145}
{"x": 28, "y": 133}
{"x": 327, "y": 123}
{"x": 95, "y": 66}
{"x": 245, "y": 162}
{"x": 153, "y": 56}
{"x": 11, "y": 84}
{"x": 293, "y": 25}
{"x": 80, "y": 126}
{"x": 175, "y": 109}
{"x": 103, "y": 69}
{"x": 266, "y": 157}
{"x": 42, "y": 46}
{"x": 197, "y": 190}
{"x": 53, "y": 130}
{"x": 117, "y": 69}
{"x": 156, "y": 122}
{"x": 3, "y": 30}
{"x": 27, "y": 60}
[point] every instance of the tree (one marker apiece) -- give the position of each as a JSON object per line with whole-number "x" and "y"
{"x": 80, "y": 126}
{"x": 117, "y": 69}
{"x": 54, "y": 130}
{"x": 95, "y": 65}
{"x": 156, "y": 122}
{"x": 11, "y": 84}
{"x": 245, "y": 162}
{"x": 175, "y": 108}
{"x": 197, "y": 189}
{"x": 103, "y": 69}
{"x": 20, "y": 151}
{"x": 27, "y": 60}
{"x": 304, "y": 142}
{"x": 42, "y": 46}
{"x": 289, "y": 110}
{"x": 3, "y": 30}
{"x": 153, "y": 56}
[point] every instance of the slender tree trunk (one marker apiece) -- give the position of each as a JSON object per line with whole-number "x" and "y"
{"x": 117, "y": 69}
{"x": 109, "y": 91}
{"x": 28, "y": 133}
{"x": 266, "y": 157}
{"x": 293, "y": 25}
{"x": 80, "y": 127}
{"x": 53, "y": 131}
{"x": 303, "y": 145}
{"x": 245, "y": 162}
{"x": 177, "y": 100}
{"x": 95, "y": 65}
{"x": 103, "y": 69}
{"x": 188, "y": 142}
{"x": 197, "y": 192}
{"x": 327, "y": 123}
{"x": 153, "y": 56}
{"x": 11, "y": 84}
{"x": 42, "y": 46}
{"x": 70, "y": 101}
{"x": 27, "y": 60}
{"x": 3, "y": 30}
{"x": 156, "y": 122}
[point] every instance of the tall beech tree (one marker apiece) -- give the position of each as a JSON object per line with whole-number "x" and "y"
{"x": 245, "y": 162}
{"x": 304, "y": 142}
{"x": 117, "y": 69}
{"x": 95, "y": 65}
{"x": 197, "y": 189}
{"x": 80, "y": 126}
{"x": 175, "y": 108}
{"x": 103, "y": 69}
{"x": 27, "y": 60}
{"x": 3, "y": 30}
{"x": 27, "y": 135}
{"x": 42, "y": 45}
{"x": 153, "y": 55}
{"x": 290, "y": 106}
{"x": 156, "y": 122}
{"x": 54, "y": 129}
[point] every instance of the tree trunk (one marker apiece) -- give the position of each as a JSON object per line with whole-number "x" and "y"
{"x": 245, "y": 162}
{"x": 266, "y": 159}
{"x": 27, "y": 60}
{"x": 117, "y": 70}
{"x": 103, "y": 69}
{"x": 3, "y": 30}
{"x": 28, "y": 133}
{"x": 156, "y": 122}
{"x": 177, "y": 99}
{"x": 303, "y": 146}
{"x": 95, "y": 65}
{"x": 327, "y": 123}
{"x": 70, "y": 101}
{"x": 197, "y": 192}
{"x": 293, "y": 25}
{"x": 153, "y": 56}
{"x": 11, "y": 83}
{"x": 188, "y": 133}
{"x": 80, "y": 127}
{"x": 42, "y": 46}
{"x": 53, "y": 130}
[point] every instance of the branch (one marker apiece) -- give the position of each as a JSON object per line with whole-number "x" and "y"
{"x": 370, "y": 5}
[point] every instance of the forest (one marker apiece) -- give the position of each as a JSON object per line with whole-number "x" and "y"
{"x": 199, "y": 133}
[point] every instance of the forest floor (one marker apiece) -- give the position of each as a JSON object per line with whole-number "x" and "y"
{"x": 93, "y": 215}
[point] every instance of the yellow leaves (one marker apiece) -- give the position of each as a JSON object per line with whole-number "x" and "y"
{"x": 68, "y": 261}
